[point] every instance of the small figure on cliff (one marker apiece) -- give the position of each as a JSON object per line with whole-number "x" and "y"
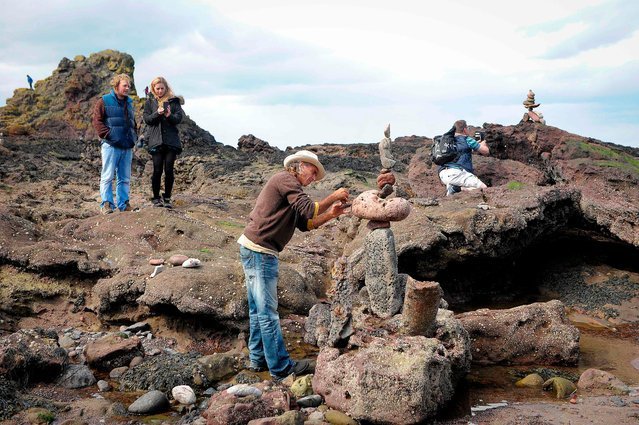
{"x": 162, "y": 114}
{"x": 280, "y": 207}
{"x": 30, "y": 81}
{"x": 114, "y": 121}
{"x": 531, "y": 115}
{"x": 458, "y": 174}
{"x": 146, "y": 91}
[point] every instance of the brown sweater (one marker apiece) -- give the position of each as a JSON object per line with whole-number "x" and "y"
{"x": 281, "y": 206}
{"x": 99, "y": 115}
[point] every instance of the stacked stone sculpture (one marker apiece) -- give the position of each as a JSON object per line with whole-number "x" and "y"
{"x": 531, "y": 115}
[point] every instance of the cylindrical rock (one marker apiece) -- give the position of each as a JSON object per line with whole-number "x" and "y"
{"x": 420, "y": 307}
{"x": 386, "y": 291}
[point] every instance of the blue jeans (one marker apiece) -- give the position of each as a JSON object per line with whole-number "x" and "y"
{"x": 115, "y": 161}
{"x": 266, "y": 344}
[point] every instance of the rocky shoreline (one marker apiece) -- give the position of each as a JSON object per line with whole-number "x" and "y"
{"x": 536, "y": 274}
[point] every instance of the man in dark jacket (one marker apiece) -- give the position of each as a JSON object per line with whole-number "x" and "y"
{"x": 458, "y": 174}
{"x": 114, "y": 121}
{"x": 281, "y": 207}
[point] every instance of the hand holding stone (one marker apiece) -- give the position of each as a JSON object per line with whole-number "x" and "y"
{"x": 338, "y": 208}
{"x": 340, "y": 194}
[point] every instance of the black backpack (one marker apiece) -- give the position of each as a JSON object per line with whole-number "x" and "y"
{"x": 444, "y": 148}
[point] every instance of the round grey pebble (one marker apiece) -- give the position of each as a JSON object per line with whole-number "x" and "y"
{"x": 103, "y": 385}
{"x": 151, "y": 402}
{"x": 310, "y": 401}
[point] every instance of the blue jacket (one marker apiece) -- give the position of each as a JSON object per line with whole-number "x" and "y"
{"x": 465, "y": 147}
{"x": 120, "y": 119}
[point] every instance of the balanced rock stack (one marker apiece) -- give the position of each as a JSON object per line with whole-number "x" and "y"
{"x": 530, "y": 104}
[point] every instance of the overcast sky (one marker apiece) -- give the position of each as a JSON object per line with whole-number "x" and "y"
{"x": 337, "y": 71}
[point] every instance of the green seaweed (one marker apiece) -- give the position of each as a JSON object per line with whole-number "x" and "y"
{"x": 515, "y": 185}
{"x": 604, "y": 156}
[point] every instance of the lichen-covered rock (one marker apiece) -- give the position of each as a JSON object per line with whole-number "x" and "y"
{"x": 385, "y": 285}
{"x": 561, "y": 386}
{"x": 401, "y": 381}
{"x": 218, "y": 366}
{"x": 533, "y": 380}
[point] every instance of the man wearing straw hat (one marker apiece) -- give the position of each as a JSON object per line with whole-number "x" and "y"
{"x": 281, "y": 207}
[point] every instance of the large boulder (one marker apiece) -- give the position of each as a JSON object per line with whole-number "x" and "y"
{"x": 217, "y": 291}
{"x": 595, "y": 381}
{"x": 538, "y": 333}
{"x": 32, "y": 355}
{"x": 228, "y": 409}
{"x": 164, "y": 372}
{"x": 113, "y": 351}
{"x": 401, "y": 381}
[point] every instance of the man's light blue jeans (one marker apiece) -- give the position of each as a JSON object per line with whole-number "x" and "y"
{"x": 115, "y": 161}
{"x": 266, "y": 344}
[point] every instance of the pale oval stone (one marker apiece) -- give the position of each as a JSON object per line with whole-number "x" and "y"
{"x": 533, "y": 380}
{"x": 242, "y": 390}
{"x": 371, "y": 207}
{"x": 103, "y": 385}
{"x": 177, "y": 259}
{"x": 183, "y": 394}
{"x": 156, "y": 261}
{"x": 191, "y": 263}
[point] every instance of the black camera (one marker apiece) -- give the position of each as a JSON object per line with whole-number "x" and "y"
{"x": 480, "y": 136}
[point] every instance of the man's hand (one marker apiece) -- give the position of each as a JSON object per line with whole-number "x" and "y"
{"x": 338, "y": 208}
{"x": 340, "y": 194}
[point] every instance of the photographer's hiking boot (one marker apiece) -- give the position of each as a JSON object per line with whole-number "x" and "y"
{"x": 298, "y": 368}
{"x": 106, "y": 208}
{"x": 452, "y": 189}
{"x": 157, "y": 202}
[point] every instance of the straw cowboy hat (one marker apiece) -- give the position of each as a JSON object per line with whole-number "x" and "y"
{"x": 306, "y": 156}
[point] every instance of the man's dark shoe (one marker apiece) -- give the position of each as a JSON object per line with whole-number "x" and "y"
{"x": 157, "y": 202}
{"x": 256, "y": 368}
{"x": 127, "y": 207}
{"x": 298, "y": 368}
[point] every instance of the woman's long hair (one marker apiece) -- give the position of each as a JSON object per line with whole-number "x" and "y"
{"x": 167, "y": 94}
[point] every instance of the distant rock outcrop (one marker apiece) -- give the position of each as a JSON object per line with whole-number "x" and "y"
{"x": 251, "y": 144}
{"x": 60, "y": 106}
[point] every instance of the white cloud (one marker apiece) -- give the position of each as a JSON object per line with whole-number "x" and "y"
{"x": 337, "y": 71}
